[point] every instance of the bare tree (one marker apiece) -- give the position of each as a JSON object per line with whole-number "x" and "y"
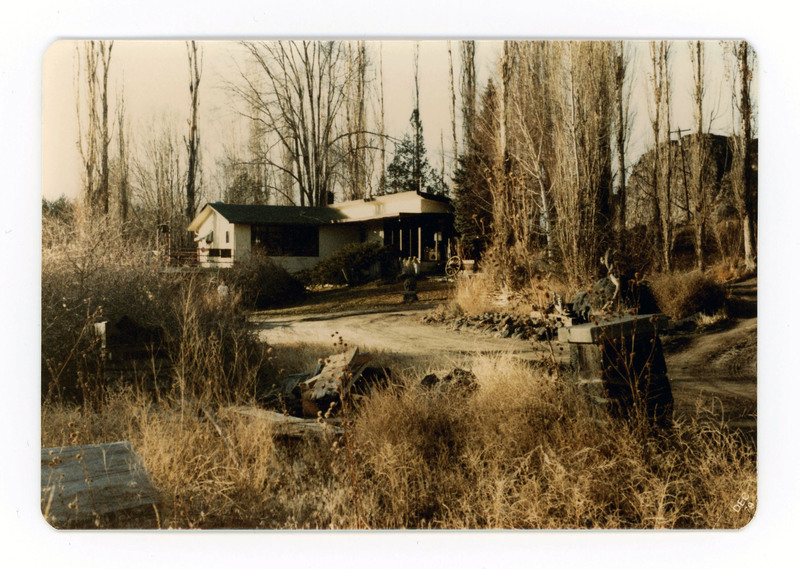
{"x": 355, "y": 110}
{"x": 300, "y": 94}
{"x": 123, "y": 200}
{"x": 468, "y": 89}
{"x": 660, "y": 83}
{"x": 159, "y": 174}
{"x": 743, "y": 177}
{"x": 452, "y": 109}
{"x": 192, "y": 143}
{"x": 94, "y": 143}
{"x": 417, "y": 123}
{"x": 622, "y": 123}
{"x": 582, "y": 146}
{"x": 700, "y": 156}
{"x": 382, "y": 129}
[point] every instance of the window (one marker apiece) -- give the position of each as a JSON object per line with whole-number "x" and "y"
{"x": 285, "y": 240}
{"x": 224, "y": 253}
{"x": 227, "y": 237}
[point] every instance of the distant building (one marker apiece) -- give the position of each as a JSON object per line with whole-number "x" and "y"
{"x": 415, "y": 224}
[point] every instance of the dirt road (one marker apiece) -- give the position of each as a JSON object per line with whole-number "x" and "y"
{"x": 398, "y": 331}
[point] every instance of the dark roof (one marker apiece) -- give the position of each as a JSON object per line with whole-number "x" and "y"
{"x": 276, "y": 214}
{"x": 435, "y": 197}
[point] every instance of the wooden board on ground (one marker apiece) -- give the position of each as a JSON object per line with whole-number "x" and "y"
{"x": 288, "y": 425}
{"x": 104, "y": 485}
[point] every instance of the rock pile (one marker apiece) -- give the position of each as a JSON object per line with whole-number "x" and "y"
{"x": 459, "y": 380}
{"x": 498, "y": 324}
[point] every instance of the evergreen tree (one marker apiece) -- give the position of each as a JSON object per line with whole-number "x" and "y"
{"x": 472, "y": 198}
{"x": 409, "y": 170}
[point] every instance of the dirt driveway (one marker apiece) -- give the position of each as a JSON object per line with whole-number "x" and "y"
{"x": 399, "y": 331}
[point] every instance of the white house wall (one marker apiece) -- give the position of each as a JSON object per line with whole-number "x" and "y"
{"x": 241, "y": 242}
{"x": 219, "y": 225}
{"x": 390, "y": 205}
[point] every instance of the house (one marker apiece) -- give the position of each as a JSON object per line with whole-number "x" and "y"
{"x": 416, "y": 224}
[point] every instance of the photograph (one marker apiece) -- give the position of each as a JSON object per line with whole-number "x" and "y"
{"x": 398, "y": 284}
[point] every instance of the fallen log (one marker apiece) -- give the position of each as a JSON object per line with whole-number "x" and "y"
{"x": 103, "y": 485}
{"x": 287, "y": 425}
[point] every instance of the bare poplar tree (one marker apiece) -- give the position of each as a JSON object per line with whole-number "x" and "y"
{"x": 123, "y": 200}
{"x": 700, "y": 155}
{"x": 382, "y": 130}
{"x": 94, "y": 143}
{"x": 743, "y": 169}
{"x": 417, "y": 123}
{"x": 452, "y": 108}
{"x": 192, "y": 143}
{"x": 105, "y": 136}
{"x": 532, "y": 149}
{"x": 468, "y": 90}
{"x": 582, "y": 146}
{"x": 662, "y": 153}
{"x": 355, "y": 120}
{"x": 622, "y": 123}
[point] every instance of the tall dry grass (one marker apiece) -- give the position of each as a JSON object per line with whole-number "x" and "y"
{"x": 682, "y": 294}
{"x": 522, "y": 451}
{"x": 525, "y": 451}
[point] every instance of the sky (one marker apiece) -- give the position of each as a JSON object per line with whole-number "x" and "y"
{"x": 155, "y": 78}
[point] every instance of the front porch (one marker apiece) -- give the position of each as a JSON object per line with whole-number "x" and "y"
{"x": 426, "y": 236}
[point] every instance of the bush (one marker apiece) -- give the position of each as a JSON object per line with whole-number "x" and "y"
{"x": 217, "y": 359}
{"x": 263, "y": 283}
{"x": 91, "y": 273}
{"x": 682, "y": 294}
{"x": 354, "y": 264}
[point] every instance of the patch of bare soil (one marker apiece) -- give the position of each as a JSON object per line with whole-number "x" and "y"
{"x": 399, "y": 330}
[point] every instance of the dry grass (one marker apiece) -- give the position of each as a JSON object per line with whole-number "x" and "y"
{"x": 523, "y": 451}
{"x": 682, "y": 294}
{"x": 526, "y": 452}
{"x": 473, "y": 295}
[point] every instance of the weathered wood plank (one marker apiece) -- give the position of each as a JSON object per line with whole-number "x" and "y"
{"x": 90, "y": 485}
{"x": 617, "y": 327}
{"x": 289, "y": 425}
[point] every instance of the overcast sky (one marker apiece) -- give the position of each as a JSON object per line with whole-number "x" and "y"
{"x": 155, "y": 77}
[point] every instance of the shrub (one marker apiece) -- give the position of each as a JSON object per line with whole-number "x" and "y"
{"x": 90, "y": 273}
{"x": 682, "y": 294}
{"x": 263, "y": 283}
{"x": 216, "y": 358}
{"x": 354, "y": 264}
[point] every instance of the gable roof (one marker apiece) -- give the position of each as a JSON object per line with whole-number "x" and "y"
{"x": 276, "y": 214}
{"x": 247, "y": 214}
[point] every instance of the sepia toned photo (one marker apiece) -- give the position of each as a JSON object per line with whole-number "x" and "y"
{"x": 399, "y": 284}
